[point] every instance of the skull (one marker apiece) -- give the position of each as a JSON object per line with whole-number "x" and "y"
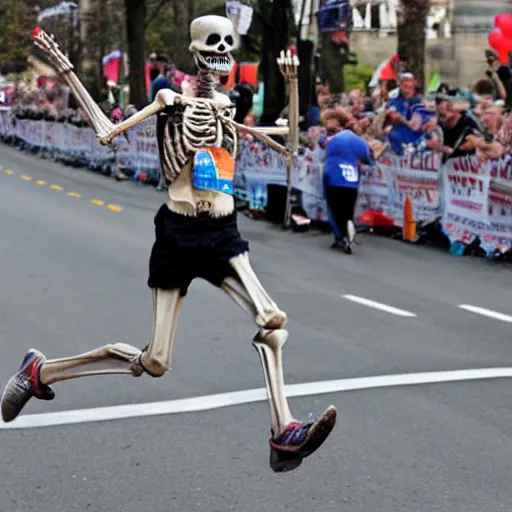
{"x": 213, "y": 38}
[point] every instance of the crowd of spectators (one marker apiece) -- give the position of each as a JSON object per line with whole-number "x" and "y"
{"x": 396, "y": 114}
{"x": 399, "y": 116}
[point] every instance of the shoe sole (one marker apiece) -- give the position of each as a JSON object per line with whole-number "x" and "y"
{"x": 319, "y": 433}
{"x": 11, "y": 405}
{"x": 282, "y": 462}
{"x": 316, "y": 436}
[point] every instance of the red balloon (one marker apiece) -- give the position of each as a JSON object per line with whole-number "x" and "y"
{"x": 504, "y": 58}
{"x": 505, "y": 47}
{"x": 504, "y": 23}
{"x": 495, "y": 39}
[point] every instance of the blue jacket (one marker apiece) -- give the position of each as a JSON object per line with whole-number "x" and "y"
{"x": 343, "y": 153}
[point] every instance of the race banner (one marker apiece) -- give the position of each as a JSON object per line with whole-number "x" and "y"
{"x": 375, "y": 186}
{"x": 473, "y": 199}
{"x": 466, "y": 193}
{"x": 416, "y": 177}
{"x": 140, "y": 152}
{"x": 499, "y": 206}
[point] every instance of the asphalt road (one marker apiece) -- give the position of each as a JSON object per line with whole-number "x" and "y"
{"x": 74, "y": 278}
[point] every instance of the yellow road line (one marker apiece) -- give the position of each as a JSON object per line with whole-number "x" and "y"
{"x": 97, "y": 202}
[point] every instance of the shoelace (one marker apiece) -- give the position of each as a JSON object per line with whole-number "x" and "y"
{"x": 296, "y": 433}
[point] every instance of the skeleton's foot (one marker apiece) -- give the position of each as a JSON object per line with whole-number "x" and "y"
{"x": 299, "y": 440}
{"x": 23, "y": 385}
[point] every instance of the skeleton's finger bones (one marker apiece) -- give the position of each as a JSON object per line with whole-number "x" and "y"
{"x": 288, "y": 64}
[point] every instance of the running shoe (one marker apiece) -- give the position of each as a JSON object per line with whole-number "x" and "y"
{"x": 299, "y": 440}
{"x": 24, "y": 385}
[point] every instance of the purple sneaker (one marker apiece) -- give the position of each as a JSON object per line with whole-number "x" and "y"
{"x": 24, "y": 385}
{"x": 300, "y": 440}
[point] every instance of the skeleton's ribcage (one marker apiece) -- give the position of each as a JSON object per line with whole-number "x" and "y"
{"x": 189, "y": 130}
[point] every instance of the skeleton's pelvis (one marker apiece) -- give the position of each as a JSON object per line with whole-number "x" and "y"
{"x": 214, "y": 169}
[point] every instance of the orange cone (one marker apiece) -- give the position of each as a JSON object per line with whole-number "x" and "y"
{"x": 409, "y": 230}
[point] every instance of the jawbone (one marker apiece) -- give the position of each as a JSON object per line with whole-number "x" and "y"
{"x": 219, "y": 64}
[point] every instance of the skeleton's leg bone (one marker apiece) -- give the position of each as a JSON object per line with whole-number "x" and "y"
{"x": 156, "y": 359}
{"x": 268, "y": 316}
{"x": 117, "y": 358}
{"x": 269, "y": 345}
{"x": 235, "y": 289}
{"x": 120, "y": 358}
{"x": 247, "y": 291}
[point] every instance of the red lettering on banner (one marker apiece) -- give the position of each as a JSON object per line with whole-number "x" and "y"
{"x": 502, "y": 169}
{"x": 466, "y": 165}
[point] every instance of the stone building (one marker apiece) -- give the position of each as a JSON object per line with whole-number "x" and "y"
{"x": 456, "y": 32}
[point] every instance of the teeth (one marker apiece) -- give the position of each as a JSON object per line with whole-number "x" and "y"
{"x": 219, "y": 63}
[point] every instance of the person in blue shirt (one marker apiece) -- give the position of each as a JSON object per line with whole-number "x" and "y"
{"x": 344, "y": 151}
{"x": 160, "y": 82}
{"x": 404, "y": 116}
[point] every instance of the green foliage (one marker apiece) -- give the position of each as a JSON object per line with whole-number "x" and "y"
{"x": 357, "y": 77}
{"x": 17, "y": 20}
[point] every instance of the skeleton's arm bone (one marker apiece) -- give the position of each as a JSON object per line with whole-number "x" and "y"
{"x": 164, "y": 98}
{"x": 260, "y": 136}
{"x": 272, "y": 130}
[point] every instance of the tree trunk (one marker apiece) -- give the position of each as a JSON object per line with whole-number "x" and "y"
{"x": 334, "y": 59}
{"x": 412, "y": 20}
{"x": 276, "y": 30}
{"x": 191, "y": 10}
{"x": 88, "y": 63}
{"x": 184, "y": 12}
{"x": 135, "y": 23}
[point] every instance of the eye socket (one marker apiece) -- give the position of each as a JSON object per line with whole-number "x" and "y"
{"x": 229, "y": 40}
{"x": 213, "y": 39}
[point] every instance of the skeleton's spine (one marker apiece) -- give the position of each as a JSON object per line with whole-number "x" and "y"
{"x": 206, "y": 85}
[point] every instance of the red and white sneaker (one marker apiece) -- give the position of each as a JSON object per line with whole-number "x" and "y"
{"x": 24, "y": 385}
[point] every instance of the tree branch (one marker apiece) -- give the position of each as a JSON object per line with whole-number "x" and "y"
{"x": 154, "y": 14}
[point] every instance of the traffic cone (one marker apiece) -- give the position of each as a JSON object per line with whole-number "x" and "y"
{"x": 409, "y": 230}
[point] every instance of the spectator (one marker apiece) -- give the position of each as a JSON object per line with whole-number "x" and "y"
{"x": 406, "y": 125}
{"x": 160, "y": 82}
{"x": 456, "y": 126}
{"x": 242, "y": 96}
{"x": 494, "y": 70}
{"x": 505, "y": 134}
{"x": 344, "y": 151}
{"x": 488, "y": 146}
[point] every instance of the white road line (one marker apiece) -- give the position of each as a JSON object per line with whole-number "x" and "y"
{"x": 487, "y": 312}
{"x": 211, "y": 402}
{"x": 378, "y": 305}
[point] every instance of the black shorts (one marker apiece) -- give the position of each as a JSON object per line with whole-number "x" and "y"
{"x": 190, "y": 247}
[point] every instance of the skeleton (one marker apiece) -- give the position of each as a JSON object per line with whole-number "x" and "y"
{"x": 205, "y": 120}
